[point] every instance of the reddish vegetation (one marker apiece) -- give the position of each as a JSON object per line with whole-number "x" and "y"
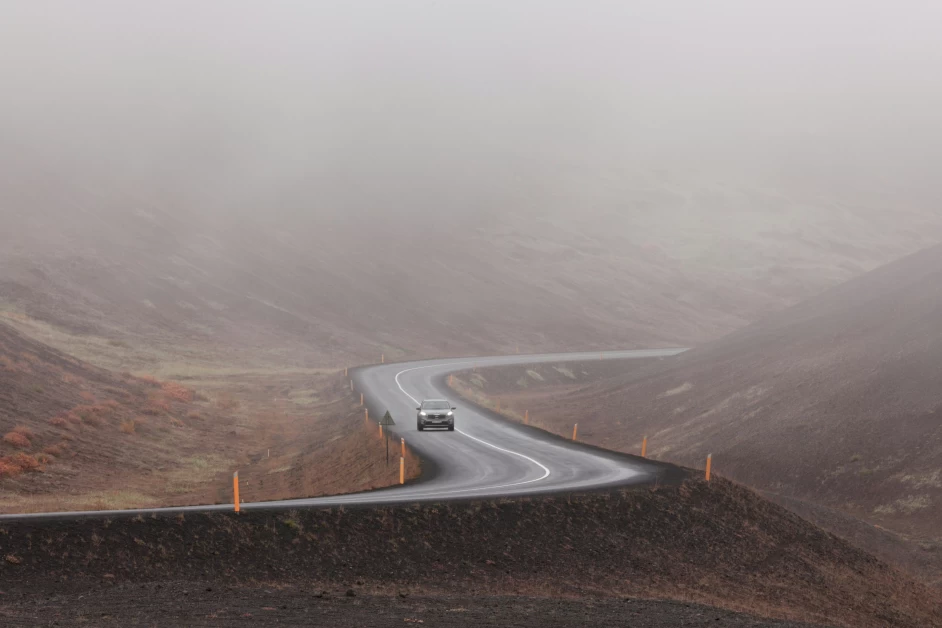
{"x": 11, "y": 466}
{"x": 108, "y": 446}
{"x": 177, "y": 392}
{"x": 55, "y": 400}
{"x": 55, "y": 450}
{"x": 17, "y": 440}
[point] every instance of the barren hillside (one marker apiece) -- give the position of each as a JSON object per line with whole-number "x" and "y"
{"x": 836, "y": 400}
{"x": 649, "y": 259}
{"x": 74, "y": 436}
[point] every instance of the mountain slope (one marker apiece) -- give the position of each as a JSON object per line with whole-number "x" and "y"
{"x": 837, "y": 400}
{"x": 618, "y": 258}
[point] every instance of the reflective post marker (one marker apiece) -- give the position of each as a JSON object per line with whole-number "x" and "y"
{"x": 235, "y": 490}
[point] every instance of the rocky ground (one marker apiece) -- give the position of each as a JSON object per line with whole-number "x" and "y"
{"x": 209, "y": 604}
{"x": 715, "y": 544}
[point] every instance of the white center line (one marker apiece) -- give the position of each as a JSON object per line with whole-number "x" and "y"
{"x": 546, "y": 471}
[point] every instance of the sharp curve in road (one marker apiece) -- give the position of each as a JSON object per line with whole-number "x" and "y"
{"x": 484, "y": 457}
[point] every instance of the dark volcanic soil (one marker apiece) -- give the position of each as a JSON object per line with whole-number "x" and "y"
{"x": 716, "y": 544}
{"x": 206, "y": 604}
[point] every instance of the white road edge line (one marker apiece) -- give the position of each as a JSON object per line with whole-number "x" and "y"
{"x": 546, "y": 471}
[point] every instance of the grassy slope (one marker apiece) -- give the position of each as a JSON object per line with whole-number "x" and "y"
{"x": 74, "y": 436}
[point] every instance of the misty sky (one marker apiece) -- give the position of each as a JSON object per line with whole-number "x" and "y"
{"x": 449, "y": 105}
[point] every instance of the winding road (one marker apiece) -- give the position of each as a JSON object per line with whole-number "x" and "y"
{"x": 484, "y": 457}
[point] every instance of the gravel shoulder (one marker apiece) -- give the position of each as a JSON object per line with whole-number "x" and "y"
{"x": 205, "y": 604}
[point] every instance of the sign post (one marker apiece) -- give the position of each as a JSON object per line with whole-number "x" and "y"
{"x": 386, "y": 422}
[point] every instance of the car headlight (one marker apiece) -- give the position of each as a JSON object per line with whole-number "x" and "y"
{"x": 450, "y": 413}
{"x": 422, "y": 414}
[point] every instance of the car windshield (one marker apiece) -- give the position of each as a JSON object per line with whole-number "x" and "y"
{"x": 436, "y": 405}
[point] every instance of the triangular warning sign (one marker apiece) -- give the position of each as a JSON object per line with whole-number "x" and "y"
{"x": 387, "y": 419}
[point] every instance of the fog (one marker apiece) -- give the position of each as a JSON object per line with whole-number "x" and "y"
{"x": 390, "y": 108}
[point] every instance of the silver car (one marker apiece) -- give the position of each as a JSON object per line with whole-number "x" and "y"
{"x": 436, "y": 413}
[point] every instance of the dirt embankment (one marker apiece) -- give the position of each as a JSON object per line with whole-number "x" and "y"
{"x": 74, "y": 437}
{"x": 540, "y": 392}
{"x": 197, "y": 604}
{"x": 717, "y": 544}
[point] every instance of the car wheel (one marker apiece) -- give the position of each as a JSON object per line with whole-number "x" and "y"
{"x": 451, "y": 428}
{"x": 419, "y": 427}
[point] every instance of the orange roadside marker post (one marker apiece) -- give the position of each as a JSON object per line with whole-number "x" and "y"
{"x": 366, "y": 414}
{"x": 382, "y": 358}
{"x": 403, "y": 447}
{"x": 361, "y": 399}
{"x": 526, "y": 417}
{"x": 380, "y": 430}
{"x": 402, "y": 470}
{"x": 644, "y": 447}
{"x": 575, "y": 430}
{"x": 708, "y": 467}
{"x": 345, "y": 371}
{"x": 235, "y": 490}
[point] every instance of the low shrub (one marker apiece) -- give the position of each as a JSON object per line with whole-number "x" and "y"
{"x": 55, "y": 450}
{"x": 177, "y": 392}
{"x": 156, "y": 407}
{"x": 8, "y": 469}
{"x": 25, "y": 461}
{"x": 94, "y": 415}
{"x": 17, "y": 440}
{"x": 25, "y": 431}
{"x": 11, "y": 466}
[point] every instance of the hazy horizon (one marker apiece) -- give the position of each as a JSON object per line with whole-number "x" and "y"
{"x": 331, "y": 107}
